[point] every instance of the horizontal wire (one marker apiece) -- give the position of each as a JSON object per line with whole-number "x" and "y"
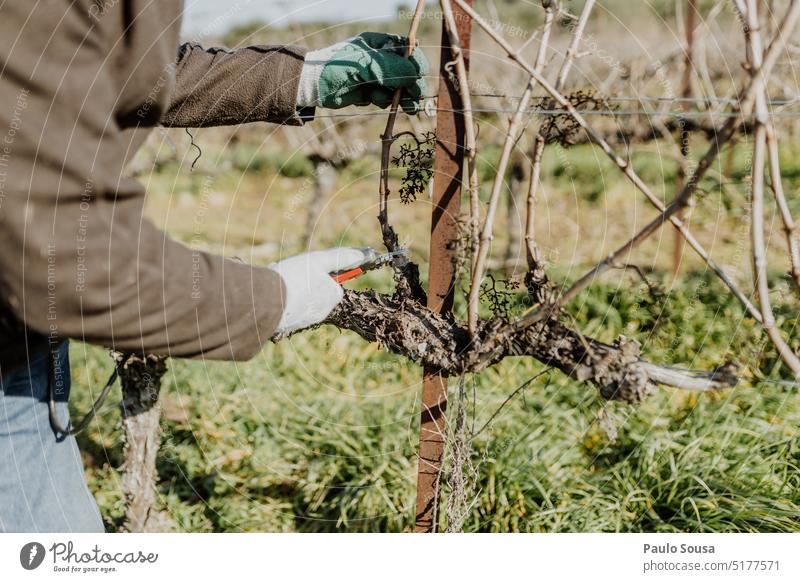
{"x": 624, "y": 112}
{"x": 700, "y": 100}
{"x": 682, "y": 113}
{"x": 584, "y": 112}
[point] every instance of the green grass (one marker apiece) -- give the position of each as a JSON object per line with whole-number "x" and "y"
{"x": 319, "y": 434}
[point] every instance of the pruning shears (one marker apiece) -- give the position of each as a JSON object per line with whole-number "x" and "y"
{"x": 374, "y": 260}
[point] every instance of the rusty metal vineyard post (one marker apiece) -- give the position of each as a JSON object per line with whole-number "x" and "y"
{"x": 447, "y": 182}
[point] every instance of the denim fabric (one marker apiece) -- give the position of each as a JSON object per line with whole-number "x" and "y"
{"x": 42, "y": 485}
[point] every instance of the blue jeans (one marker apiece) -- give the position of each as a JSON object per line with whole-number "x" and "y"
{"x": 42, "y": 484}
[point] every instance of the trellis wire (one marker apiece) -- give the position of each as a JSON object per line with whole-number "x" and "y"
{"x": 588, "y": 112}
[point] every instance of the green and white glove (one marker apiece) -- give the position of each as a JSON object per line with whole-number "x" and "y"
{"x": 363, "y": 70}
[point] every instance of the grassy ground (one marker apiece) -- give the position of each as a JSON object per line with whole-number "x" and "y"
{"x": 319, "y": 433}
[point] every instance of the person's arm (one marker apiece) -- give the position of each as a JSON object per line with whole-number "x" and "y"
{"x": 225, "y": 87}
{"x": 99, "y": 272}
{"x": 284, "y": 84}
{"x": 77, "y": 258}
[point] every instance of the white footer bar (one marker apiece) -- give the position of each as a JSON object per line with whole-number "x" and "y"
{"x": 412, "y": 558}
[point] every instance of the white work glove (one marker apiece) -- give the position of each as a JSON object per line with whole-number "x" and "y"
{"x": 311, "y": 293}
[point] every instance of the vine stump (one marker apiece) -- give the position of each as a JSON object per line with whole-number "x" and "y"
{"x": 141, "y": 412}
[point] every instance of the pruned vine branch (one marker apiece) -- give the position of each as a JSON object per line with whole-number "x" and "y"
{"x": 407, "y": 274}
{"x": 756, "y": 60}
{"x": 408, "y": 328}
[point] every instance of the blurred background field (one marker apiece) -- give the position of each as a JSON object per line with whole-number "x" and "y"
{"x": 319, "y": 432}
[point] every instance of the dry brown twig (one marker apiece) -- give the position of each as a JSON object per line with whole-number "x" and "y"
{"x": 388, "y": 138}
{"x": 533, "y": 254}
{"x": 755, "y": 64}
{"x": 776, "y": 186}
{"x": 406, "y": 272}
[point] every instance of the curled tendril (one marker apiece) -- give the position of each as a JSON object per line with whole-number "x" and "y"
{"x": 417, "y": 159}
{"x": 562, "y": 128}
{"x": 500, "y": 295}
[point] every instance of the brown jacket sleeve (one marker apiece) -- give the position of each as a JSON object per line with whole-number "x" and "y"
{"x": 223, "y": 87}
{"x": 77, "y": 258}
{"x": 97, "y": 271}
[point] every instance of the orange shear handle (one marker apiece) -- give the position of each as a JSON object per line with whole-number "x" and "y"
{"x": 347, "y": 275}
